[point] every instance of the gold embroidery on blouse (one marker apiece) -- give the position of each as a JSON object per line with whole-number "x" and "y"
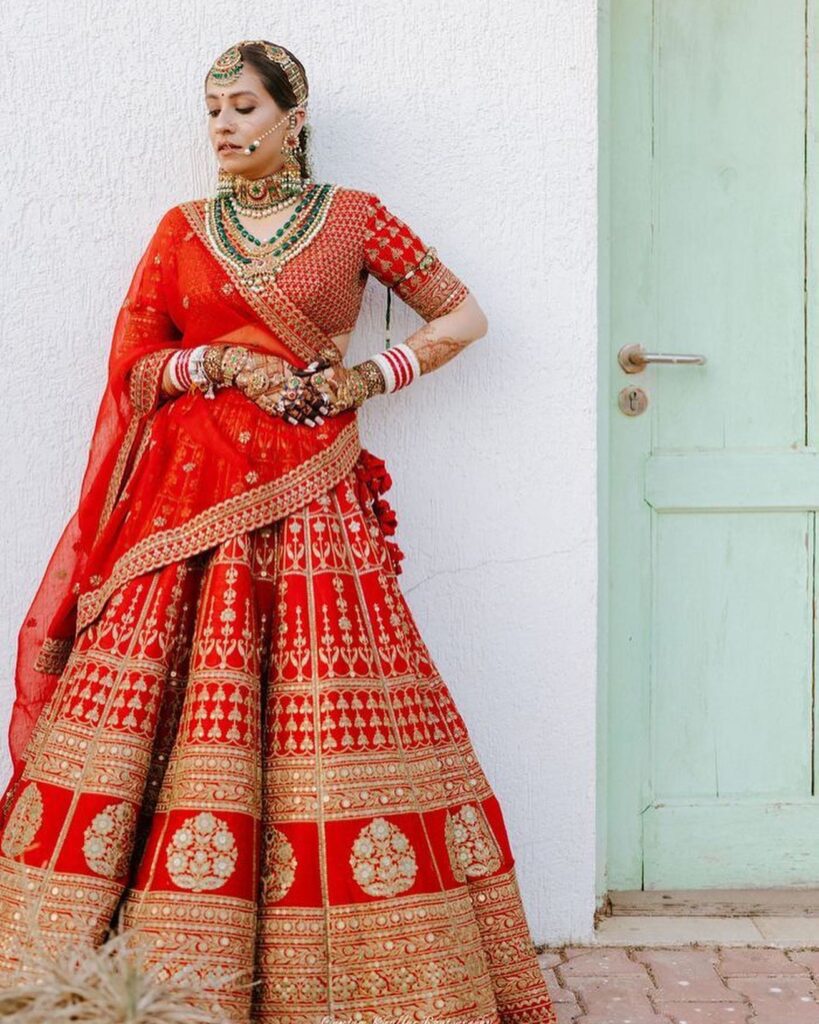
{"x": 287, "y": 321}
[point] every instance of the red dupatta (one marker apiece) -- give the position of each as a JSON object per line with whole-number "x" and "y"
{"x": 166, "y": 479}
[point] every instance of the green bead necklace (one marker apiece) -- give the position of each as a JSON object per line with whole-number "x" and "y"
{"x": 276, "y": 234}
{"x": 255, "y": 261}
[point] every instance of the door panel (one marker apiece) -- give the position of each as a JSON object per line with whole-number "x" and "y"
{"x": 731, "y": 683}
{"x": 712, "y": 762}
{"x": 729, "y": 202}
{"x": 748, "y": 843}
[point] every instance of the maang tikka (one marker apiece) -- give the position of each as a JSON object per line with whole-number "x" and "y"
{"x": 228, "y": 66}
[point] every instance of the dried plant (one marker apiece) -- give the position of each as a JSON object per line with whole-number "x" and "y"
{"x": 111, "y": 983}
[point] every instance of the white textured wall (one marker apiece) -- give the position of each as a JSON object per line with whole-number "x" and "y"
{"x": 476, "y": 122}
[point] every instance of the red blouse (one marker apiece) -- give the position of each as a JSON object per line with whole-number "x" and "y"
{"x": 357, "y": 237}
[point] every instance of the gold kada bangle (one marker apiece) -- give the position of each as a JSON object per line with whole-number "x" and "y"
{"x": 372, "y": 376}
{"x": 353, "y": 392}
{"x": 213, "y": 362}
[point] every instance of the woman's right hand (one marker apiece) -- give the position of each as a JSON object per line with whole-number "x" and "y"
{"x": 271, "y": 382}
{"x": 260, "y": 373}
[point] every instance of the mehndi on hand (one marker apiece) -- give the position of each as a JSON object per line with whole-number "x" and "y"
{"x": 297, "y": 395}
{"x": 260, "y": 373}
{"x": 343, "y": 388}
{"x": 275, "y": 386}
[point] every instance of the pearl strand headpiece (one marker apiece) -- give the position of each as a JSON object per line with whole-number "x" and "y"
{"x": 228, "y": 66}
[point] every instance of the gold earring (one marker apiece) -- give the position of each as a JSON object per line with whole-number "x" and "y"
{"x": 292, "y": 167}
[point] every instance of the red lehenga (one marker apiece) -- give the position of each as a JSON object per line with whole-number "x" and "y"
{"x": 227, "y": 726}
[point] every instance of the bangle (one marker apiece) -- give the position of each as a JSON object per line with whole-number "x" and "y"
{"x": 173, "y": 376}
{"x": 373, "y": 377}
{"x": 399, "y": 366}
{"x": 179, "y": 370}
{"x": 356, "y": 389}
{"x": 196, "y": 372}
{"x": 186, "y": 371}
{"x": 213, "y": 362}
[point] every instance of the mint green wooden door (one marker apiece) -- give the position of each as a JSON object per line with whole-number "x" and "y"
{"x": 710, "y": 235}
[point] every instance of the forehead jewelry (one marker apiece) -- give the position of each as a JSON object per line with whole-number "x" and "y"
{"x": 228, "y": 66}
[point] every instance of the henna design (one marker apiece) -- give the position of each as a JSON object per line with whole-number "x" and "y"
{"x": 433, "y": 351}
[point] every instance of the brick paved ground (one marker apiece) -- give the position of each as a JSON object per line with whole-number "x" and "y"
{"x": 699, "y": 985}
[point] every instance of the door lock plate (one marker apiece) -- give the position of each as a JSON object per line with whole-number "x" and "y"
{"x": 632, "y": 401}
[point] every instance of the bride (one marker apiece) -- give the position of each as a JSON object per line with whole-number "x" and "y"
{"x": 228, "y": 732}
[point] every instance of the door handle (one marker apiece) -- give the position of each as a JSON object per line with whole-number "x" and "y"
{"x": 634, "y": 358}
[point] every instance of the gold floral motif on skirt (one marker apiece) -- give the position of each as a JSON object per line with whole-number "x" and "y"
{"x": 24, "y": 822}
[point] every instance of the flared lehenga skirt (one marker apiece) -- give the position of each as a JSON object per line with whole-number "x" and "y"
{"x": 251, "y": 756}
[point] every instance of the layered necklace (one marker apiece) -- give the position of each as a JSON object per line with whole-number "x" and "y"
{"x": 258, "y": 261}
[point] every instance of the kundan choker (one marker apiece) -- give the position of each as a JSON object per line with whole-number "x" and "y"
{"x": 258, "y": 197}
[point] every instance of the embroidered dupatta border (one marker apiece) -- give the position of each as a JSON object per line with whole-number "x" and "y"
{"x": 288, "y": 322}
{"x": 238, "y": 514}
{"x": 144, "y": 385}
{"x": 53, "y": 655}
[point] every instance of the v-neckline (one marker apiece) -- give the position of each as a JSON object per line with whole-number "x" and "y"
{"x": 260, "y": 266}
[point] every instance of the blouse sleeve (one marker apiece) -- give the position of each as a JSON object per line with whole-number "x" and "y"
{"x": 396, "y": 256}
